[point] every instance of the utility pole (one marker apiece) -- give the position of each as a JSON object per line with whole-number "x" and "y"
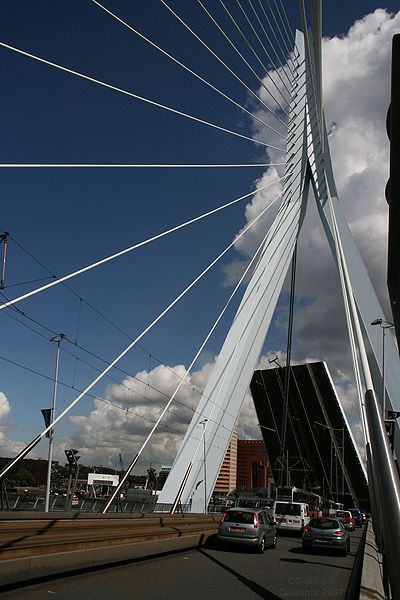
{"x": 57, "y": 339}
{"x": 3, "y": 240}
{"x": 203, "y": 422}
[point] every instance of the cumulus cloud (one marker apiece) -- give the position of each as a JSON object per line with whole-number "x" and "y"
{"x": 356, "y": 93}
{"x": 356, "y": 89}
{"x": 130, "y": 410}
{"x": 8, "y": 447}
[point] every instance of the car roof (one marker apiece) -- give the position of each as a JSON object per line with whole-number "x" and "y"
{"x": 245, "y": 509}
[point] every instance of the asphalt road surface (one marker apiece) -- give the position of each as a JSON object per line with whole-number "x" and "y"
{"x": 210, "y": 573}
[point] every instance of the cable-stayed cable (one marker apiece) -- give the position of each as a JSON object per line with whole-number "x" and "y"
{"x": 131, "y": 248}
{"x": 271, "y": 44}
{"x": 188, "y": 69}
{"x": 228, "y": 39}
{"x": 137, "y": 97}
{"x": 221, "y": 61}
{"x": 262, "y": 45}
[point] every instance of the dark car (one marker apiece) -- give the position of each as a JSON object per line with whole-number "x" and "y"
{"x": 326, "y": 532}
{"x": 356, "y": 516}
{"x": 249, "y": 527}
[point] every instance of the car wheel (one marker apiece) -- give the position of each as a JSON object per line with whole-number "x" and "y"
{"x": 261, "y": 547}
{"x": 273, "y": 545}
{"x": 348, "y": 546}
{"x": 305, "y": 549}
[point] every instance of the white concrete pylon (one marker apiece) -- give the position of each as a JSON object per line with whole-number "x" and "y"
{"x": 225, "y": 391}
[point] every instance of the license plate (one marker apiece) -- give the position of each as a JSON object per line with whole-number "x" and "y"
{"x": 237, "y": 529}
{"x": 322, "y": 541}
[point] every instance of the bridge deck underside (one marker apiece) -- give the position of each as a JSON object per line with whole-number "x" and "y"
{"x": 314, "y": 415}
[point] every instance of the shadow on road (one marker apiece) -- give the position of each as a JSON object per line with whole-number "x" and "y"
{"x": 252, "y": 585}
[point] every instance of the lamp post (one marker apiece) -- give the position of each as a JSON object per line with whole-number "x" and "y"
{"x": 383, "y": 325}
{"x": 203, "y": 422}
{"x": 57, "y": 339}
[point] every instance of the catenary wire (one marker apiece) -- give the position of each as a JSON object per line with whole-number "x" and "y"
{"x": 93, "y": 396}
{"x": 39, "y": 437}
{"x": 137, "y": 97}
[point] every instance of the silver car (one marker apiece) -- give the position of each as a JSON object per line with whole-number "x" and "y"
{"x": 326, "y": 532}
{"x": 248, "y": 526}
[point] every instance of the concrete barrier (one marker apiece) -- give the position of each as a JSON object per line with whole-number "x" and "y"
{"x": 54, "y": 546}
{"x": 371, "y": 585}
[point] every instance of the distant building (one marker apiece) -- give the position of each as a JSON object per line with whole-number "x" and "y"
{"x": 226, "y": 481}
{"x": 162, "y": 475}
{"x": 253, "y": 468}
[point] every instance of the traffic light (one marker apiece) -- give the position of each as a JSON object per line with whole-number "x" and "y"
{"x": 72, "y": 457}
{"x": 393, "y": 187}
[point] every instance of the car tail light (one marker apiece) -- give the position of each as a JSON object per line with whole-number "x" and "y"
{"x": 255, "y": 522}
{"x": 306, "y": 530}
{"x": 339, "y": 532}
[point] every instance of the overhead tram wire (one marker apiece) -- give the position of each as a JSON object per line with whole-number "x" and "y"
{"x": 126, "y": 373}
{"x": 92, "y": 396}
{"x": 93, "y": 308}
{"x": 188, "y": 69}
{"x": 81, "y": 299}
{"x": 264, "y": 48}
{"x": 38, "y": 438}
{"x": 137, "y": 97}
{"x": 218, "y": 26}
{"x": 272, "y": 44}
{"x": 198, "y": 38}
{"x": 135, "y": 246}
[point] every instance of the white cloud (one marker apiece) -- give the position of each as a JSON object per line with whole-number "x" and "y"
{"x": 136, "y": 405}
{"x": 356, "y": 95}
{"x": 7, "y": 447}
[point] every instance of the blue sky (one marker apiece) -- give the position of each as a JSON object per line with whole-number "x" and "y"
{"x": 67, "y": 219}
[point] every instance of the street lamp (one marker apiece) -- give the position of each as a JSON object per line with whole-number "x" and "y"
{"x": 384, "y": 325}
{"x": 203, "y": 422}
{"x": 57, "y": 339}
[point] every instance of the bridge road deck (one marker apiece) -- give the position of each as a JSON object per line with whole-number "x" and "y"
{"x": 210, "y": 572}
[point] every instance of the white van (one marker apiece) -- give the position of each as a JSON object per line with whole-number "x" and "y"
{"x": 291, "y": 516}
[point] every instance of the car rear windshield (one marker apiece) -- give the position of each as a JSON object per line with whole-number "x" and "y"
{"x": 324, "y": 523}
{"x": 239, "y": 516}
{"x": 285, "y": 508}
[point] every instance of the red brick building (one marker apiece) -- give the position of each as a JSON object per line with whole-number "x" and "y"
{"x": 253, "y": 468}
